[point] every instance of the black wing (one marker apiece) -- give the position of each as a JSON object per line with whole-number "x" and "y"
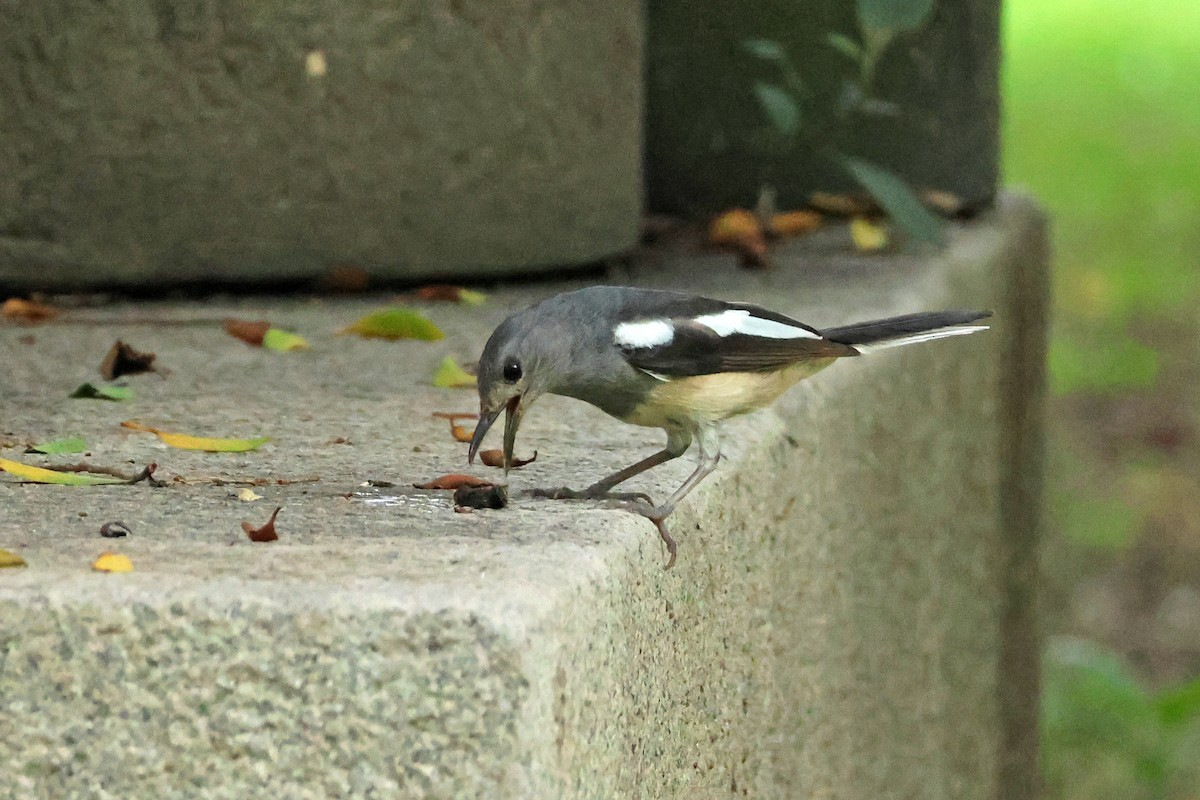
{"x": 697, "y": 349}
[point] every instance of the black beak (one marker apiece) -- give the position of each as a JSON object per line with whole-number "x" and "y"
{"x": 487, "y": 419}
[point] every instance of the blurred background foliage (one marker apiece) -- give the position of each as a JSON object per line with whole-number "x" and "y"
{"x": 1102, "y": 123}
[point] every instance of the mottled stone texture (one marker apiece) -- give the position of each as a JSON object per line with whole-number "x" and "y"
{"x": 710, "y": 145}
{"x": 852, "y": 614}
{"x": 147, "y": 141}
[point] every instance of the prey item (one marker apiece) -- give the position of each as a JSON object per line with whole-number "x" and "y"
{"x": 668, "y": 360}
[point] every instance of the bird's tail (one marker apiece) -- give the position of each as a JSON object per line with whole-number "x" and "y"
{"x": 908, "y": 329}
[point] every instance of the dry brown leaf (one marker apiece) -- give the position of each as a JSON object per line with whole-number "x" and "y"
{"x": 251, "y": 333}
{"x": 794, "y": 223}
{"x": 741, "y": 231}
{"x": 124, "y": 360}
{"x": 843, "y": 205}
{"x": 495, "y": 458}
{"x": 449, "y": 294}
{"x": 452, "y": 481}
{"x": 28, "y": 310}
{"x": 490, "y": 496}
{"x": 266, "y": 533}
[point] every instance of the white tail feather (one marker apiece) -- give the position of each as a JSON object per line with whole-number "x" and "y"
{"x": 927, "y": 336}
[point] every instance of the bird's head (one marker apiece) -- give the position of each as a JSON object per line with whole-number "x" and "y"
{"x": 513, "y": 372}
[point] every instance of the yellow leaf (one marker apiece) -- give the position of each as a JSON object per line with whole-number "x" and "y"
{"x": 868, "y": 236}
{"x": 112, "y": 562}
{"x": 396, "y": 322}
{"x": 733, "y": 227}
{"x": 450, "y": 375}
{"x": 8, "y": 559}
{"x": 795, "y": 223}
{"x": 283, "y": 341}
{"x": 248, "y": 495}
{"x": 38, "y": 475}
{"x": 184, "y": 441}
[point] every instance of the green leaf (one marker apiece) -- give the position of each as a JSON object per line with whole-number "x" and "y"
{"x": 89, "y": 391}
{"x": 899, "y": 16}
{"x": 1179, "y": 705}
{"x": 897, "y": 199}
{"x": 283, "y": 341}
{"x": 60, "y": 446}
{"x": 846, "y": 46}
{"x": 395, "y": 323}
{"x": 450, "y": 375}
{"x": 780, "y": 107}
{"x": 764, "y": 48}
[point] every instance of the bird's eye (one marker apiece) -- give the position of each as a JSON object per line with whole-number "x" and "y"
{"x": 512, "y": 370}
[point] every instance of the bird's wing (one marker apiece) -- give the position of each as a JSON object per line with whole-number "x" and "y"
{"x": 721, "y": 337}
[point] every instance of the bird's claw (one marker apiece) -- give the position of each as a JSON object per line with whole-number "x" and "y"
{"x": 645, "y": 507}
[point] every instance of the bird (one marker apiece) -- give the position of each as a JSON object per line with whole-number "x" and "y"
{"x": 670, "y": 360}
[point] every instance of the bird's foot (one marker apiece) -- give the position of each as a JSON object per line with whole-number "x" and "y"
{"x": 644, "y": 507}
{"x": 590, "y": 493}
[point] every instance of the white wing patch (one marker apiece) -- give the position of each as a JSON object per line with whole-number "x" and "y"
{"x": 927, "y": 336}
{"x": 649, "y": 333}
{"x": 739, "y": 320}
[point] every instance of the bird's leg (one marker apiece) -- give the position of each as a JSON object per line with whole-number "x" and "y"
{"x": 710, "y": 454}
{"x": 677, "y": 445}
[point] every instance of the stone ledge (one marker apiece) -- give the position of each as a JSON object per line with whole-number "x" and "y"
{"x": 833, "y": 626}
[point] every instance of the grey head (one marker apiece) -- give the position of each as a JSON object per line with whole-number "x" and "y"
{"x": 519, "y": 364}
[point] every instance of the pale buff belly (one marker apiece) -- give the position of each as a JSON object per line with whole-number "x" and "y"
{"x": 711, "y": 398}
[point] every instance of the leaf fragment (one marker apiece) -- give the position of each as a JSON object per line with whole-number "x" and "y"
{"x": 112, "y": 562}
{"x": 248, "y": 495}
{"x": 741, "y": 231}
{"x": 32, "y": 474}
{"x": 283, "y": 341}
{"x": 897, "y": 199}
{"x": 450, "y": 294}
{"x": 452, "y": 481}
{"x": 396, "y": 322}
{"x": 449, "y": 375}
{"x": 122, "y": 359}
{"x": 72, "y": 444}
{"x": 869, "y": 236}
{"x": 114, "y": 530}
{"x": 90, "y": 391}
{"x": 28, "y": 310}
{"x": 490, "y": 496}
{"x": 250, "y": 332}
{"x": 9, "y": 559}
{"x": 495, "y": 458}
{"x": 266, "y": 533}
{"x": 208, "y": 444}
{"x": 794, "y": 223}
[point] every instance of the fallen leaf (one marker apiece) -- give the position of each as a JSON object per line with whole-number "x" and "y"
{"x": 266, "y": 533}
{"x": 124, "y": 360}
{"x": 794, "y": 223}
{"x": 452, "y": 481}
{"x": 8, "y": 559}
{"x": 59, "y": 447}
{"x": 33, "y": 474}
{"x": 741, "y": 231}
{"x": 283, "y": 341}
{"x": 450, "y": 375}
{"x": 460, "y": 433}
{"x": 944, "y": 202}
{"x": 248, "y": 495}
{"x": 252, "y": 333}
{"x": 450, "y": 294}
{"x": 843, "y": 205}
{"x": 114, "y": 530}
{"x": 28, "y": 311}
{"x": 345, "y": 278}
{"x": 89, "y": 391}
{"x": 185, "y": 441}
{"x": 868, "y": 236}
{"x": 112, "y": 562}
{"x": 490, "y": 496}
{"x": 495, "y": 458}
{"x": 394, "y": 323}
